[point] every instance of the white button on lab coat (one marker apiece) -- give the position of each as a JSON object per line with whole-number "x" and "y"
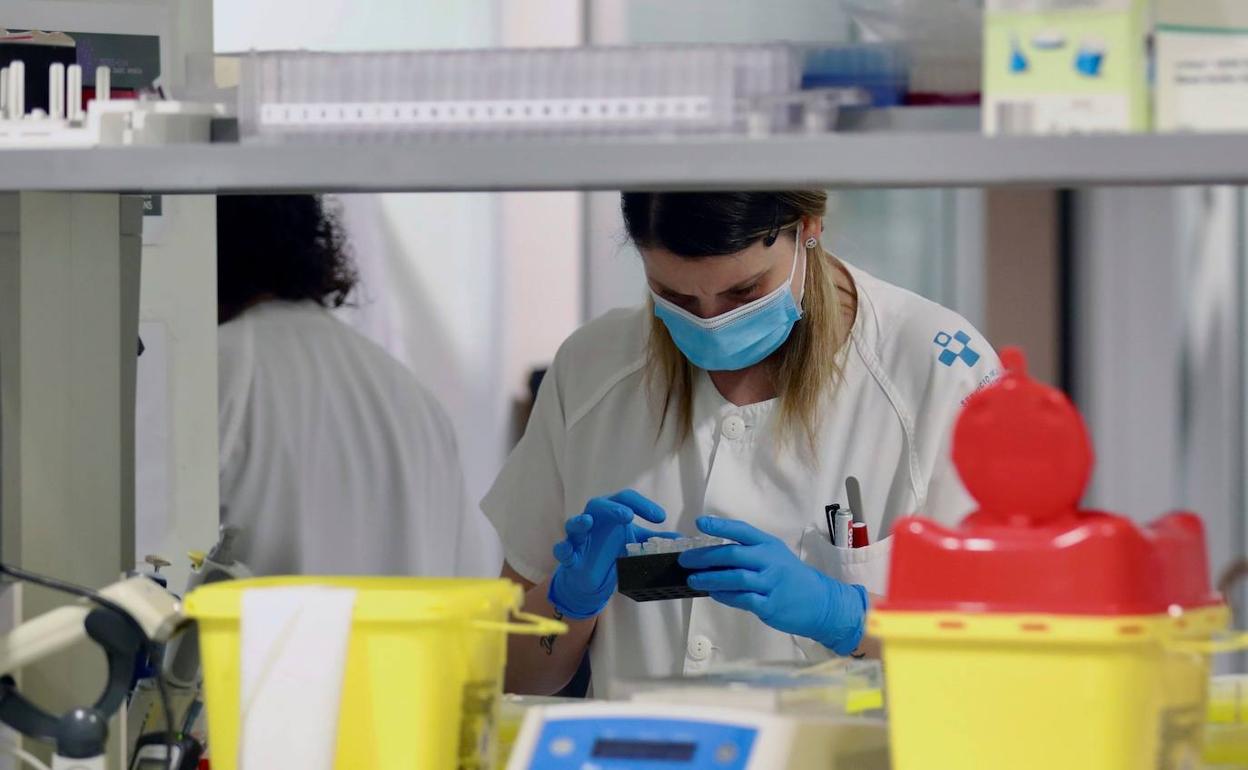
{"x": 908, "y": 367}
{"x": 334, "y": 460}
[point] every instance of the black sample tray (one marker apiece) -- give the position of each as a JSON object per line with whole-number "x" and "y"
{"x": 654, "y": 577}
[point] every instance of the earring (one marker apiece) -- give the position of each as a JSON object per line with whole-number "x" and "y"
{"x": 811, "y": 242}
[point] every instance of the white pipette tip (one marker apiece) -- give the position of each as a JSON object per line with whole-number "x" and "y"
{"x": 4, "y": 92}
{"x": 56, "y": 91}
{"x": 103, "y": 83}
{"x": 73, "y": 92}
{"x": 17, "y": 90}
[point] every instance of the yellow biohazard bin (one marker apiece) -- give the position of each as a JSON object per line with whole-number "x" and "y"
{"x": 423, "y": 676}
{"x": 1025, "y": 692}
{"x": 1226, "y": 736}
{"x": 1035, "y": 635}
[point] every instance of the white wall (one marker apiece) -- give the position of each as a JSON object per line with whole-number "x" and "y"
{"x": 1159, "y": 372}
{"x": 680, "y": 21}
{"x": 176, "y": 411}
{"x": 347, "y": 25}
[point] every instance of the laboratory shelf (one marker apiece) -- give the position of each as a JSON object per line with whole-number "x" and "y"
{"x": 927, "y": 158}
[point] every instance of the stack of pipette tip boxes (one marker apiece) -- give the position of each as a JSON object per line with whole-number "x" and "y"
{"x": 651, "y": 571}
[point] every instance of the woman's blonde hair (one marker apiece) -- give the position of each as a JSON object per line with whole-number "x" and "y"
{"x": 705, "y": 225}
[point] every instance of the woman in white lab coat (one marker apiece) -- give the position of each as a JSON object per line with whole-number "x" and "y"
{"x": 763, "y": 372}
{"x": 333, "y": 458}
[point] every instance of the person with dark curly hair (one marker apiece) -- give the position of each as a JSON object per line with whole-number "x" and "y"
{"x": 333, "y": 458}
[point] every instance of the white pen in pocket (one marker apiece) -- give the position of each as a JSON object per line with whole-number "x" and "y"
{"x": 841, "y": 522}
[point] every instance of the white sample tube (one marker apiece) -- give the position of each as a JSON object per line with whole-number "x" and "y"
{"x": 4, "y": 92}
{"x": 17, "y": 90}
{"x": 103, "y": 83}
{"x": 633, "y": 549}
{"x": 56, "y": 91}
{"x": 73, "y": 92}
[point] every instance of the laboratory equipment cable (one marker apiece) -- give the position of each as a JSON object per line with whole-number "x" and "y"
{"x": 62, "y": 586}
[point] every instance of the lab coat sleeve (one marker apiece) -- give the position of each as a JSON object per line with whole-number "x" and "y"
{"x": 526, "y": 503}
{"x": 948, "y": 388}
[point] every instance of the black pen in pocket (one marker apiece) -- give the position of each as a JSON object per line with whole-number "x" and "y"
{"x": 830, "y": 512}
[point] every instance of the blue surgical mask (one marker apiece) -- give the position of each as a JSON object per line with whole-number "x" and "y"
{"x": 739, "y": 338}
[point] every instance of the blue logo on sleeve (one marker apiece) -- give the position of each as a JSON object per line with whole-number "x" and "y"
{"x": 955, "y": 347}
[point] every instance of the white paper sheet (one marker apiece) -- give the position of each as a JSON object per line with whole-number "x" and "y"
{"x": 294, "y": 653}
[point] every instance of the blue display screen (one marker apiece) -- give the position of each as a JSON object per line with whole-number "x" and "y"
{"x": 653, "y": 750}
{"x": 626, "y": 742}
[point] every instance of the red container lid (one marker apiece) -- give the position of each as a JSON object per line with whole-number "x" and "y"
{"x": 1023, "y": 453}
{"x": 1180, "y": 542}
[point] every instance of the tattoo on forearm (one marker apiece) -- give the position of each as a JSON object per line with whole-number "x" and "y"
{"x": 548, "y": 642}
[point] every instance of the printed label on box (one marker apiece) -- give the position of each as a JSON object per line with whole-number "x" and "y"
{"x": 1202, "y": 81}
{"x": 1091, "y": 114}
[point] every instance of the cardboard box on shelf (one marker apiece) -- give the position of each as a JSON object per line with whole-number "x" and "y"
{"x": 1066, "y": 66}
{"x": 1202, "y": 65}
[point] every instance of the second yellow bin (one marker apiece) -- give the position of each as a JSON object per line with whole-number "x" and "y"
{"x": 967, "y": 690}
{"x": 423, "y": 676}
{"x": 1185, "y": 675}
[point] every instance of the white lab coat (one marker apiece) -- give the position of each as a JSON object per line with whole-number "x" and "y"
{"x": 334, "y": 460}
{"x": 594, "y": 432}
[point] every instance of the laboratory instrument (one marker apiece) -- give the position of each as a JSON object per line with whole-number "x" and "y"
{"x": 674, "y": 736}
{"x": 155, "y": 753}
{"x": 1049, "y": 620}
{"x": 104, "y": 121}
{"x": 440, "y": 94}
{"x": 136, "y": 612}
{"x": 741, "y": 89}
{"x": 651, "y": 571}
{"x": 180, "y": 662}
{"x": 839, "y": 687}
{"x": 511, "y": 712}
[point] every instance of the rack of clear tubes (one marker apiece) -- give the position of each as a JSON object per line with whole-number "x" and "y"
{"x": 671, "y": 545}
{"x": 456, "y": 95}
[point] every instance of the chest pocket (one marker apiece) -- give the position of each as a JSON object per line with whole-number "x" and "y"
{"x": 867, "y": 566}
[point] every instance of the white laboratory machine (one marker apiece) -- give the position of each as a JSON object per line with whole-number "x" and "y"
{"x": 124, "y": 618}
{"x": 103, "y": 122}
{"x": 667, "y": 736}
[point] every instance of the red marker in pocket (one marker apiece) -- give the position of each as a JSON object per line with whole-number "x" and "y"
{"x": 858, "y": 536}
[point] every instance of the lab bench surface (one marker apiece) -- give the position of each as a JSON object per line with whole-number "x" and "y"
{"x": 886, "y": 159}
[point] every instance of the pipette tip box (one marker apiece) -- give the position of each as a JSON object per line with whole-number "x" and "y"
{"x": 651, "y": 571}
{"x": 653, "y": 577}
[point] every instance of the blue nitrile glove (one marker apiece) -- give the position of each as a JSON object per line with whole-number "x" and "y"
{"x": 763, "y": 576}
{"x": 585, "y": 578}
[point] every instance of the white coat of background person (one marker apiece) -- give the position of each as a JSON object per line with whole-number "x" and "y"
{"x": 333, "y": 458}
{"x": 763, "y": 372}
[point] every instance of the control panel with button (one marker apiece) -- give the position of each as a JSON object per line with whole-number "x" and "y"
{"x": 599, "y": 735}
